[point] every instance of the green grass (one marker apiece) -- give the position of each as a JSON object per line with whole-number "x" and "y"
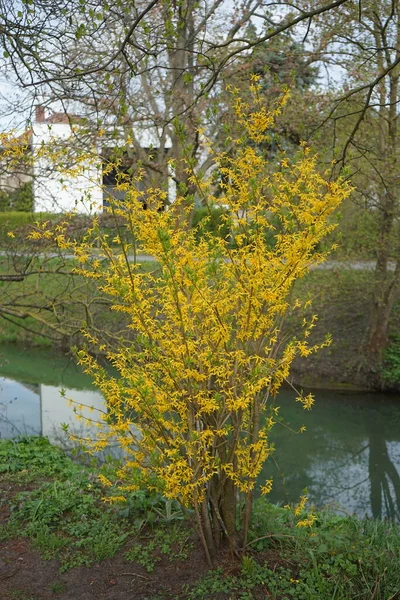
{"x": 53, "y": 302}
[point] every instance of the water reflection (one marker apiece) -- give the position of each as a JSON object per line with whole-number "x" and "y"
{"x": 348, "y": 457}
{"x": 19, "y": 409}
{"x": 27, "y": 409}
{"x": 56, "y": 411}
{"x": 384, "y": 477}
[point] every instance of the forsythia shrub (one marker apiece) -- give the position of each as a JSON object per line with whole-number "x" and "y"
{"x": 192, "y": 405}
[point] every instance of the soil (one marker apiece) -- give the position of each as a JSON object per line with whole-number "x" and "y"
{"x": 25, "y": 575}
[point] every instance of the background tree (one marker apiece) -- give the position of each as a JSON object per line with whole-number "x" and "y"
{"x": 148, "y": 67}
{"x": 362, "y": 43}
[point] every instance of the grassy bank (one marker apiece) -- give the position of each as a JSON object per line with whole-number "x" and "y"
{"x": 59, "y": 540}
{"x": 41, "y": 365}
{"x": 341, "y": 297}
{"x": 49, "y": 306}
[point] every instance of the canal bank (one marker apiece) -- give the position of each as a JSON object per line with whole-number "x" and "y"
{"x": 340, "y": 297}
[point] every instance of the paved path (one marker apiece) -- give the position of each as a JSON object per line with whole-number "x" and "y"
{"x": 355, "y": 265}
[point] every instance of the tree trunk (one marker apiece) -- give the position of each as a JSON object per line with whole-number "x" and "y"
{"x": 228, "y": 509}
{"x": 385, "y": 293}
{"x": 377, "y": 334}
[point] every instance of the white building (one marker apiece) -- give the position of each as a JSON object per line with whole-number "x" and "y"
{"x": 67, "y": 182}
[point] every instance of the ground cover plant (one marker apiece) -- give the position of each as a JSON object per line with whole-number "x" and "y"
{"x": 63, "y": 514}
{"x": 52, "y": 517}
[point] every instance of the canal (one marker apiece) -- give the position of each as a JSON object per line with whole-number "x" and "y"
{"x": 348, "y": 457}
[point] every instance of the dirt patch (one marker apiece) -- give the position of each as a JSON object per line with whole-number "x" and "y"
{"x": 24, "y": 575}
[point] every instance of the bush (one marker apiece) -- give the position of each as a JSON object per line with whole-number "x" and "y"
{"x": 13, "y": 220}
{"x": 17, "y": 222}
{"x": 391, "y": 361}
{"x": 193, "y": 404}
{"x": 20, "y": 199}
{"x": 210, "y": 220}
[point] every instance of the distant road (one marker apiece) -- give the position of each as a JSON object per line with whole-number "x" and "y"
{"x": 356, "y": 265}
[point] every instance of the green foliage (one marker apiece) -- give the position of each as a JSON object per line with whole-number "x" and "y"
{"x": 338, "y": 557}
{"x": 7, "y": 532}
{"x": 32, "y": 456}
{"x": 171, "y": 542}
{"x": 391, "y": 363}
{"x": 144, "y": 508}
{"x": 210, "y": 220}
{"x": 66, "y": 519}
{"x": 19, "y": 199}
{"x": 64, "y": 516}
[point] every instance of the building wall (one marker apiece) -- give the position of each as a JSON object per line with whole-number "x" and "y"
{"x": 56, "y": 190}
{"x": 9, "y": 182}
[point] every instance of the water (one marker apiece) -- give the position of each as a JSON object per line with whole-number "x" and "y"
{"x": 349, "y": 456}
{"x": 31, "y": 402}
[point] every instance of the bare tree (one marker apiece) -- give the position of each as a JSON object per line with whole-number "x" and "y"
{"x": 144, "y": 67}
{"x": 362, "y": 44}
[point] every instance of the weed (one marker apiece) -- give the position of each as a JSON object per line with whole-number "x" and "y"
{"x": 171, "y": 542}
{"x": 57, "y": 587}
{"x": 7, "y": 531}
{"x": 45, "y": 541}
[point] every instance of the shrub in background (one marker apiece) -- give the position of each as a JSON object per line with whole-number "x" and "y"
{"x": 19, "y": 199}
